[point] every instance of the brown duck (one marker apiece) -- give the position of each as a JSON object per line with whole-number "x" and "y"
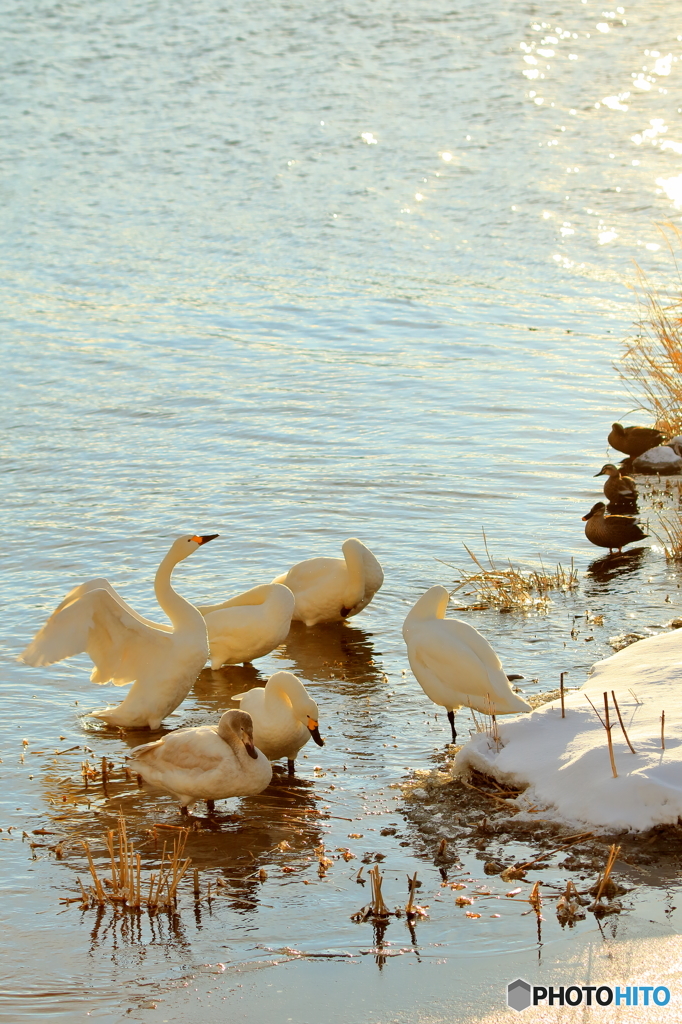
{"x": 617, "y": 488}
{"x": 610, "y": 531}
{"x": 634, "y": 441}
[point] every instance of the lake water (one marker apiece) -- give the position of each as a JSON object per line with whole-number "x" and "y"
{"x": 293, "y": 273}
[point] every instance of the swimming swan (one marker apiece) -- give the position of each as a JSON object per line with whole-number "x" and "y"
{"x": 454, "y": 665}
{"x": 284, "y": 717}
{"x": 210, "y": 762}
{"x": 249, "y": 625}
{"x": 160, "y": 661}
{"x": 332, "y": 589}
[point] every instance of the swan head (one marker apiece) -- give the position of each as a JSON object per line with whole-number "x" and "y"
{"x": 302, "y": 704}
{"x": 238, "y": 724}
{"x": 596, "y": 510}
{"x": 187, "y": 545}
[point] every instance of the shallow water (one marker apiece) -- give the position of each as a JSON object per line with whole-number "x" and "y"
{"x": 294, "y": 274}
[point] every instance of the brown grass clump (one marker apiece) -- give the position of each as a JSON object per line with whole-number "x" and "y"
{"x": 511, "y": 588}
{"x": 652, "y": 363}
{"x": 125, "y": 884}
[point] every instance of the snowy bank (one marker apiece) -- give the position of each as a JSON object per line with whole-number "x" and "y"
{"x": 565, "y": 762}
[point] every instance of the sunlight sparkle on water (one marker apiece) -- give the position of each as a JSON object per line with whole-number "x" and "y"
{"x": 673, "y": 189}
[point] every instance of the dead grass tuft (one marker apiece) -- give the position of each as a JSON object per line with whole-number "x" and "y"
{"x": 511, "y": 588}
{"x": 652, "y": 363}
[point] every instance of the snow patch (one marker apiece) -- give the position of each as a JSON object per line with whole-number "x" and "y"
{"x": 564, "y": 763}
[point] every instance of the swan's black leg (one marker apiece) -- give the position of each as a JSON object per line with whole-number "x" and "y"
{"x": 290, "y": 766}
{"x": 451, "y": 720}
{"x": 210, "y": 806}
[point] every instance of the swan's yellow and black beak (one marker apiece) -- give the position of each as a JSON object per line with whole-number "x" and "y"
{"x": 315, "y": 732}
{"x": 205, "y": 538}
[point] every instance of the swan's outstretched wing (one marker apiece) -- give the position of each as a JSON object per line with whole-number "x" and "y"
{"x": 122, "y": 647}
{"x": 99, "y": 583}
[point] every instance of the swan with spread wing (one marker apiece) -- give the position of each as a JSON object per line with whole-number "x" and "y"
{"x": 160, "y": 661}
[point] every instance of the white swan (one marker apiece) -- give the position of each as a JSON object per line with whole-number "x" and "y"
{"x": 160, "y": 661}
{"x": 453, "y": 663}
{"x": 249, "y": 625}
{"x": 284, "y": 716}
{"x": 331, "y": 589}
{"x": 210, "y": 762}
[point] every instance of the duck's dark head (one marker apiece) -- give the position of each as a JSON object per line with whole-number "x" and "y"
{"x": 596, "y": 510}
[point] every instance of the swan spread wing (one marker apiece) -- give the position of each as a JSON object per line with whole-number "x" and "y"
{"x": 100, "y": 583}
{"x": 122, "y": 647}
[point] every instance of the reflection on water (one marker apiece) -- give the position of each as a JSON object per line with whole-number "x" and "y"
{"x": 604, "y": 571}
{"x": 421, "y": 343}
{"x": 333, "y": 653}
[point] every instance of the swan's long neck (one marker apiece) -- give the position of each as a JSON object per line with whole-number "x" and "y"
{"x": 431, "y": 605}
{"x": 179, "y": 611}
{"x": 288, "y": 685}
{"x": 355, "y": 565}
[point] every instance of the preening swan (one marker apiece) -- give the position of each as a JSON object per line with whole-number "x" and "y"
{"x": 331, "y": 589}
{"x": 454, "y": 665}
{"x": 284, "y": 716}
{"x": 160, "y": 661}
{"x": 210, "y": 762}
{"x": 249, "y": 625}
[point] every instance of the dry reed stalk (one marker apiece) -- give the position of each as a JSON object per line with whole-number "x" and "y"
{"x": 409, "y": 906}
{"x": 576, "y": 840}
{"x": 670, "y": 525}
{"x": 561, "y": 688}
{"x": 535, "y": 899}
{"x": 604, "y": 878}
{"x": 595, "y": 710}
{"x": 379, "y": 908}
{"x": 652, "y": 362}
{"x": 110, "y": 847}
{"x": 105, "y": 773}
{"x": 99, "y": 891}
{"x": 627, "y": 738}
{"x": 608, "y": 735}
{"x": 662, "y": 730}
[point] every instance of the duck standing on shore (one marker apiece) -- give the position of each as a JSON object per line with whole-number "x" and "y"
{"x": 619, "y": 489}
{"x": 634, "y": 441}
{"x": 611, "y": 531}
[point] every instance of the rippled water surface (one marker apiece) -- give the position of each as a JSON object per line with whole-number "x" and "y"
{"x": 292, "y": 273}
